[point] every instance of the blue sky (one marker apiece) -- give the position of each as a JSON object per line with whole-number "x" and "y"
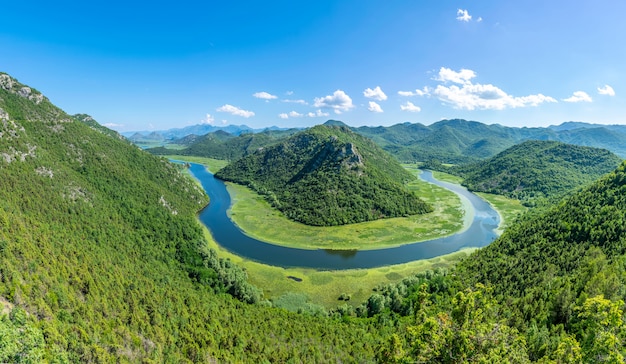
{"x": 157, "y": 65}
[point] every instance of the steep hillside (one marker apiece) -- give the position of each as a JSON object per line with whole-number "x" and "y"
{"x": 536, "y": 169}
{"x": 551, "y": 289}
{"x": 549, "y": 268}
{"x": 102, "y": 258}
{"x": 327, "y": 175}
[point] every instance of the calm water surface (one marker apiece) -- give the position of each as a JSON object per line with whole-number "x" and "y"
{"x": 481, "y": 232}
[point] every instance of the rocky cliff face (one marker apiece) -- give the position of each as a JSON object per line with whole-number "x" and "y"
{"x": 9, "y": 84}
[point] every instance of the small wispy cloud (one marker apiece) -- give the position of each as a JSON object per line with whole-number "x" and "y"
{"x": 208, "y": 119}
{"x": 463, "y": 76}
{"x": 463, "y": 15}
{"x": 317, "y": 114}
{"x": 409, "y": 106}
{"x": 295, "y": 114}
{"x": 579, "y": 96}
{"x": 234, "y": 110}
{"x": 264, "y": 95}
{"x": 374, "y": 107}
{"x": 113, "y": 125}
{"x": 376, "y": 94}
{"x": 423, "y": 92}
{"x": 606, "y": 90}
{"x": 301, "y": 102}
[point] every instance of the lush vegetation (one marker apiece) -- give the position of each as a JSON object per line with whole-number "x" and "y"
{"x": 538, "y": 169}
{"x": 328, "y": 175}
{"x": 462, "y": 142}
{"x": 102, "y": 258}
{"x": 225, "y": 146}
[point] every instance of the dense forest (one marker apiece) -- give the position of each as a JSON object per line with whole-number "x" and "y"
{"x": 453, "y": 141}
{"x": 223, "y": 145}
{"x": 328, "y": 175}
{"x": 537, "y": 169}
{"x": 102, "y": 260}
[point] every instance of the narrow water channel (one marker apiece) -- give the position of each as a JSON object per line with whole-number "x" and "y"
{"x": 481, "y": 232}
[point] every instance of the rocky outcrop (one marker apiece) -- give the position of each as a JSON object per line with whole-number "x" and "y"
{"x": 11, "y": 85}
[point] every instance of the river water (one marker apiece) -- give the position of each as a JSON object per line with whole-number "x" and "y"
{"x": 481, "y": 232}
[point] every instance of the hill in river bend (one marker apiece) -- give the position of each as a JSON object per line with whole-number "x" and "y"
{"x": 328, "y": 175}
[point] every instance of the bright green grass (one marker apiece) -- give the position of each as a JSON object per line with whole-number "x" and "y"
{"x": 258, "y": 219}
{"x": 508, "y": 208}
{"x": 213, "y": 165}
{"x": 324, "y": 287}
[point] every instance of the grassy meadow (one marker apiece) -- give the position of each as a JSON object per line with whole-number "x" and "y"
{"x": 295, "y": 287}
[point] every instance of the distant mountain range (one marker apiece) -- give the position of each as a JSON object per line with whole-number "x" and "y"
{"x": 200, "y": 129}
{"x": 454, "y": 141}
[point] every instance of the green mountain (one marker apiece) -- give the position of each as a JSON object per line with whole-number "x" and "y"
{"x": 538, "y": 169}
{"x": 551, "y": 289}
{"x": 222, "y": 145}
{"x": 460, "y": 141}
{"x": 327, "y": 175}
{"x": 102, "y": 258}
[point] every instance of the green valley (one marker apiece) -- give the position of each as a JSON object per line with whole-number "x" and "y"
{"x": 103, "y": 259}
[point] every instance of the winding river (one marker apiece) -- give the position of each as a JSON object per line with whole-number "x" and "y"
{"x": 480, "y": 232}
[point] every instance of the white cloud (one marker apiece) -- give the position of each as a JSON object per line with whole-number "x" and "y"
{"x": 289, "y": 93}
{"x": 113, "y": 125}
{"x": 264, "y": 95}
{"x": 485, "y": 97}
{"x": 606, "y": 90}
{"x": 301, "y": 102}
{"x": 339, "y": 101}
{"x": 208, "y": 119}
{"x": 579, "y": 96}
{"x": 374, "y": 107}
{"x": 235, "y": 111}
{"x": 463, "y": 76}
{"x": 294, "y": 114}
{"x": 409, "y": 106}
{"x": 480, "y": 19}
{"x": 463, "y": 15}
{"x": 376, "y": 94}
{"x": 317, "y": 114}
{"x": 470, "y": 96}
{"x": 423, "y": 92}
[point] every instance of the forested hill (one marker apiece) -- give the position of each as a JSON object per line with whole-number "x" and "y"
{"x": 547, "y": 267}
{"x": 328, "y": 175}
{"x": 551, "y": 289}
{"x": 222, "y": 145}
{"x": 537, "y": 169}
{"x": 102, "y": 258}
{"x": 460, "y": 141}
